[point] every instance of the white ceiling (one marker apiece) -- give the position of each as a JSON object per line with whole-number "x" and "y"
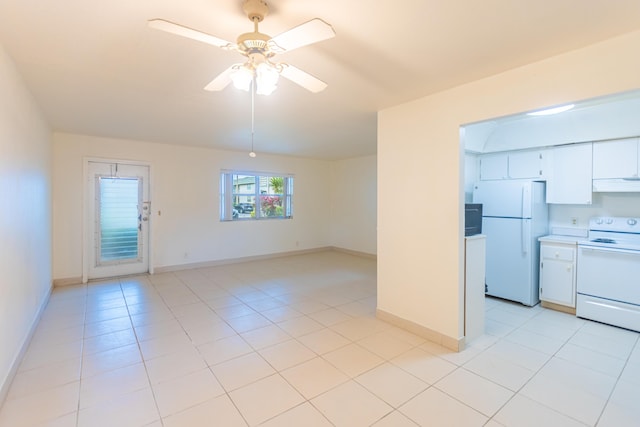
{"x": 96, "y": 68}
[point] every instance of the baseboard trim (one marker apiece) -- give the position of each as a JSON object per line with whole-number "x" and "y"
{"x": 6, "y": 384}
{"x": 205, "y": 264}
{"x": 68, "y": 281}
{"x": 558, "y": 307}
{"x": 422, "y": 331}
{"x": 356, "y": 253}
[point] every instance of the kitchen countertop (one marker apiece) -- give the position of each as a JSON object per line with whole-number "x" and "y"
{"x": 559, "y": 238}
{"x": 476, "y": 236}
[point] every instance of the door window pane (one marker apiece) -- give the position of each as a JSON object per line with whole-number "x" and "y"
{"x": 118, "y": 217}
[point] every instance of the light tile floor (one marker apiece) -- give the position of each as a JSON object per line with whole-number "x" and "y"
{"x": 294, "y": 342}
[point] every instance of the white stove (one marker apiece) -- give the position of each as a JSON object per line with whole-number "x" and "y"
{"x": 614, "y": 232}
{"x": 608, "y": 273}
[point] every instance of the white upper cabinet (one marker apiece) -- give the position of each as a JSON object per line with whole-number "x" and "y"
{"x": 512, "y": 165}
{"x": 494, "y": 166}
{"x": 615, "y": 159}
{"x": 569, "y": 179}
{"x": 526, "y": 164}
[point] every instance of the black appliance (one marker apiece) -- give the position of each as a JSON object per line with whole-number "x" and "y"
{"x": 472, "y": 219}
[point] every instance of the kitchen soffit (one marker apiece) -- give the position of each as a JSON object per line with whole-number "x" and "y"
{"x": 607, "y": 117}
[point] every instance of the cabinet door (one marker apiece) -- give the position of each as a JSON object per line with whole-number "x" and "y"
{"x": 494, "y": 166}
{"x": 525, "y": 164}
{"x": 570, "y": 179}
{"x": 557, "y": 274}
{"x": 615, "y": 159}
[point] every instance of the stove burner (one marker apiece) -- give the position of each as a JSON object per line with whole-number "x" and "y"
{"x": 603, "y": 240}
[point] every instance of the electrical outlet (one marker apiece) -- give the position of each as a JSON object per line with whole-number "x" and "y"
{"x": 574, "y": 221}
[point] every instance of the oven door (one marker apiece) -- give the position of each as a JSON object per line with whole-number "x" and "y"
{"x": 609, "y": 273}
{"x": 608, "y": 286}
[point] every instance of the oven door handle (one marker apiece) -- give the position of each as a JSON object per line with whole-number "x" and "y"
{"x": 611, "y": 250}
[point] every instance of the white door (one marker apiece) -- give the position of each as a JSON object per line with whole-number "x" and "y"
{"x": 571, "y": 175}
{"x": 525, "y": 164}
{"x": 615, "y": 159}
{"x": 557, "y": 274}
{"x": 494, "y": 166}
{"x": 119, "y": 208}
{"x": 508, "y": 273}
{"x": 509, "y": 199}
{"x": 609, "y": 273}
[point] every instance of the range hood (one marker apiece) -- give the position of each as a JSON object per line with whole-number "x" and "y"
{"x": 617, "y": 185}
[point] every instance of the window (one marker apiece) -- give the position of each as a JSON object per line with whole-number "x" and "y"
{"x": 253, "y": 195}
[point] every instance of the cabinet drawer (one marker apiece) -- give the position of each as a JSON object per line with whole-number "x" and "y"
{"x": 557, "y": 252}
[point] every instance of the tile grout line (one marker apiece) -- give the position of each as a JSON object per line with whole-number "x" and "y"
{"x": 613, "y": 389}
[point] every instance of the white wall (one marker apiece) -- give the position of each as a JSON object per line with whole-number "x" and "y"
{"x": 353, "y": 204}
{"x": 25, "y": 216}
{"x": 420, "y": 255}
{"x": 185, "y": 188}
{"x": 604, "y": 204}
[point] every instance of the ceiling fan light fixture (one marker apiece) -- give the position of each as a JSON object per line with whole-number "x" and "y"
{"x": 259, "y": 48}
{"x": 266, "y": 78}
{"x": 242, "y": 77}
{"x": 551, "y": 111}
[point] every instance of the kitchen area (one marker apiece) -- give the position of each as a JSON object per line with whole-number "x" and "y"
{"x": 559, "y": 195}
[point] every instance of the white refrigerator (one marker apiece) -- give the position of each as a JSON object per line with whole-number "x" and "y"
{"x": 514, "y": 216}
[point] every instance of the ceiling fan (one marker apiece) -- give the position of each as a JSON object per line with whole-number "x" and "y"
{"x": 259, "y": 50}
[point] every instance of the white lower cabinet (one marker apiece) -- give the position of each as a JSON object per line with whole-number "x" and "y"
{"x": 558, "y": 273}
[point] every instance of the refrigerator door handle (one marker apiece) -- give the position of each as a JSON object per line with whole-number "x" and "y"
{"x": 525, "y": 235}
{"x": 526, "y": 201}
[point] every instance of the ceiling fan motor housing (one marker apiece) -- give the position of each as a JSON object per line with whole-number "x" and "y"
{"x": 256, "y": 10}
{"x": 252, "y": 42}
{"x": 255, "y": 42}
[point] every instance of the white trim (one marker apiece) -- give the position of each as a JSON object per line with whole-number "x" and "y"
{"x": 253, "y": 172}
{"x": 356, "y": 253}
{"x": 67, "y": 281}
{"x": 216, "y": 263}
{"x": 15, "y": 364}
{"x": 86, "y": 226}
{"x": 455, "y": 344}
{"x": 205, "y": 264}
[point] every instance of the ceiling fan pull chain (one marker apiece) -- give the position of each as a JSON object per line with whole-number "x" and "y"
{"x": 252, "y": 153}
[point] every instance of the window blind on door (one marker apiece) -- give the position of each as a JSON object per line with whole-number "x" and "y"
{"x": 118, "y": 219}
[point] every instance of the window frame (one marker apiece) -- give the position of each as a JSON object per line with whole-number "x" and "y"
{"x": 227, "y": 194}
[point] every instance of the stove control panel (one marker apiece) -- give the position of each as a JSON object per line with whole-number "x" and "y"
{"x": 615, "y": 224}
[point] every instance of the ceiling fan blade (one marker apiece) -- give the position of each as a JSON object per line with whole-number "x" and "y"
{"x": 221, "y": 81}
{"x": 303, "y": 78}
{"x": 305, "y": 34}
{"x": 190, "y": 33}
